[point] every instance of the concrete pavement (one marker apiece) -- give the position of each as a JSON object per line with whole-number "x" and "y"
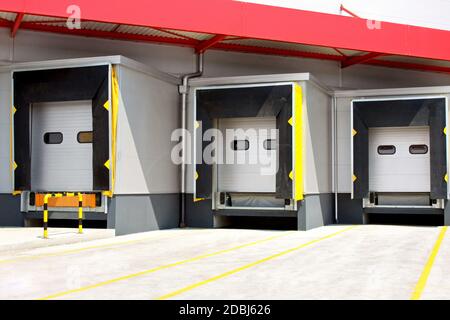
{"x": 333, "y": 262}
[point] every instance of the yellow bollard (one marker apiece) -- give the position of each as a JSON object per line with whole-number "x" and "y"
{"x": 80, "y": 213}
{"x": 46, "y": 197}
{"x": 46, "y": 215}
{"x": 59, "y": 195}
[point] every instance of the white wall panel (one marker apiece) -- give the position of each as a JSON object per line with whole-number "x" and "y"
{"x": 343, "y": 145}
{"x": 318, "y": 141}
{"x": 147, "y": 117}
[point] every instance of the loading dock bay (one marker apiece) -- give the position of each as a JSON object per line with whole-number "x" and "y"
{"x": 331, "y": 262}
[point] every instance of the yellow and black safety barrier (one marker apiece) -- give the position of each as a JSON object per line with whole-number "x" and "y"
{"x": 80, "y": 213}
{"x": 59, "y": 195}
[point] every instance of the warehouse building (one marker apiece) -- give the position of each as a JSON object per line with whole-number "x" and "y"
{"x": 354, "y": 121}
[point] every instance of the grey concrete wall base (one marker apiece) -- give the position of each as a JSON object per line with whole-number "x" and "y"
{"x": 111, "y": 216}
{"x": 10, "y": 215}
{"x": 447, "y": 213}
{"x": 140, "y": 213}
{"x": 65, "y": 215}
{"x": 350, "y": 211}
{"x": 199, "y": 214}
{"x": 315, "y": 211}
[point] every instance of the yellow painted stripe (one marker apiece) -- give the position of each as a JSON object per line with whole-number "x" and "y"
{"x": 115, "y": 96}
{"x": 298, "y": 139}
{"x": 420, "y": 286}
{"x": 100, "y": 246}
{"x": 247, "y": 266}
{"x": 166, "y": 266}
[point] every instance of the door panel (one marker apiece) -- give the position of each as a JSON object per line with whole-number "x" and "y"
{"x": 399, "y": 159}
{"x": 61, "y": 158}
{"x": 246, "y": 176}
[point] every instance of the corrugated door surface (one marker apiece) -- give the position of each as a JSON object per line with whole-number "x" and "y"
{"x": 399, "y": 159}
{"x": 61, "y": 158}
{"x": 249, "y": 176}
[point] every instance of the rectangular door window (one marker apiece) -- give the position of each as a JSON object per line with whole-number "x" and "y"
{"x": 240, "y": 145}
{"x": 269, "y": 144}
{"x": 386, "y": 150}
{"x": 53, "y": 138}
{"x": 84, "y": 137}
{"x": 418, "y": 149}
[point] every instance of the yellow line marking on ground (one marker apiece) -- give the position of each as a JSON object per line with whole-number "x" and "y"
{"x": 420, "y": 286}
{"x": 166, "y": 266}
{"x": 247, "y": 266}
{"x": 100, "y": 246}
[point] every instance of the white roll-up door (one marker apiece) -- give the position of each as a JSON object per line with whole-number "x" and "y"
{"x": 249, "y": 176}
{"x": 399, "y": 159}
{"x": 61, "y": 158}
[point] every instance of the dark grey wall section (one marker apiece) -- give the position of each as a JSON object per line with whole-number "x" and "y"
{"x": 315, "y": 211}
{"x": 65, "y": 215}
{"x": 140, "y": 213}
{"x": 10, "y": 215}
{"x": 408, "y": 211}
{"x": 111, "y": 216}
{"x": 447, "y": 213}
{"x": 199, "y": 214}
{"x": 350, "y": 211}
{"x": 256, "y": 213}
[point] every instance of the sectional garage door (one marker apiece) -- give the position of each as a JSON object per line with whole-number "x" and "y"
{"x": 61, "y": 146}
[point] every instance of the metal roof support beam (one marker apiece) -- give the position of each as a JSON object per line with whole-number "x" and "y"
{"x": 348, "y": 11}
{"x": 5, "y": 23}
{"x": 275, "y": 51}
{"x": 16, "y": 25}
{"x": 173, "y": 33}
{"x": 205, "y": 45}
{"x": 360, "y": 59}
{"x": 116, "y": 27}
{"x": 340, "y": 52}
